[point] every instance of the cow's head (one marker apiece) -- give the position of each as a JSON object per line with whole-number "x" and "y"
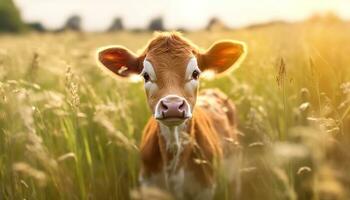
{"x": 171, "y": 67}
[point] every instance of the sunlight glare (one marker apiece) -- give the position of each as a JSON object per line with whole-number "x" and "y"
{"x": 135, "y": 78}
{"x": 208, "y": 75}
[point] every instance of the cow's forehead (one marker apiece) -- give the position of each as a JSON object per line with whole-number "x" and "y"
{"x": 169, "y": 54}
{"x": 168, "y": 67}
{"x": 171, "y": 44}
{"x": 165, "y": 59}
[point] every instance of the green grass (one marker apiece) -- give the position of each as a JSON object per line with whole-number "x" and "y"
{"x": 69, "y": 131}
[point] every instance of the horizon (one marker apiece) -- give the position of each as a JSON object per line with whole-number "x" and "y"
{"x": 194, "y": 14}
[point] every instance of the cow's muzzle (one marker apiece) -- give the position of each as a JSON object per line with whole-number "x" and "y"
{"x": 172, "y": 110}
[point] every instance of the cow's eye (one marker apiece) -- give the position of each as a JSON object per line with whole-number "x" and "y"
{"x": 195, "y": 74}
{"x": 146, "y": 77}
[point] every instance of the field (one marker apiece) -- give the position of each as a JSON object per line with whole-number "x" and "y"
{"x": 70, "y": 131}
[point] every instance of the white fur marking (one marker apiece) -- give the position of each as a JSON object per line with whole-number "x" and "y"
{"x": 191, "y": 84}
{"x": 191, "y": 67}
{"x": 172, "y": 136}
{"x": 150, "y": 86}
{"x": 148, "y": 67}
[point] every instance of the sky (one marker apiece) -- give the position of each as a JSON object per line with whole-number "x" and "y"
{"x": 97, "y": 15}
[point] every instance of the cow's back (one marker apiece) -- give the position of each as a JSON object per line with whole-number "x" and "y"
{"x": 222, "y": 113}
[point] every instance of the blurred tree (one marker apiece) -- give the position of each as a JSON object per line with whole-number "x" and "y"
{"x": 117, "y": 25}
{"x": 36, "y": 26}
{"x": 73, "y": 23}
{"x": 156, "y": 24}
{"x": 10, "y": 19}
{"x": 215, "y": 24}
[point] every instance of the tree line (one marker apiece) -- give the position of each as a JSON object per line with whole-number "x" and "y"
{"x": 10, "y": 21}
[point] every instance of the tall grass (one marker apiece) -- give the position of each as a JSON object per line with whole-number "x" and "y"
{"x": 69, "y": 131}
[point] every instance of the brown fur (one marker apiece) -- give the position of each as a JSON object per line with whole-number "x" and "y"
{"x": 206, "y": 139}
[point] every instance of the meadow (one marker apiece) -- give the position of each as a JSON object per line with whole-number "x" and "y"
{"x": 70, "y": 131}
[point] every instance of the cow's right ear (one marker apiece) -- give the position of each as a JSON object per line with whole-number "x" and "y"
{"x": 120, "y": 61}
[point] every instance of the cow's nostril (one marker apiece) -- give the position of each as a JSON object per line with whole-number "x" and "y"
{"x": 164, "y": 106}
{"x": 182, "y": 105}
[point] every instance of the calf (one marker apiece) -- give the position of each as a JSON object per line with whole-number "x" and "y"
{"x": 181, "y": 143}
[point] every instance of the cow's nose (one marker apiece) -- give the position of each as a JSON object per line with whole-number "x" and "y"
{"x": 173, "y": 107}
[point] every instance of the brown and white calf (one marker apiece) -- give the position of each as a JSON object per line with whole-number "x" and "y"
{"x": 181, "y": 143}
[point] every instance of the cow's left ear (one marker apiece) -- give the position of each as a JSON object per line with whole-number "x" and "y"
{"x": 221, "y": 56}
{"x": 120, "y": 60}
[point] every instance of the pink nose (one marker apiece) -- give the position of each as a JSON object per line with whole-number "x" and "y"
{"x": 173, "y": 107}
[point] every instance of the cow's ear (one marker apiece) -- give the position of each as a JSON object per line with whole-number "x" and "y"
{"x": 222, "y": 56}
{"x": 120, "y": 61}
